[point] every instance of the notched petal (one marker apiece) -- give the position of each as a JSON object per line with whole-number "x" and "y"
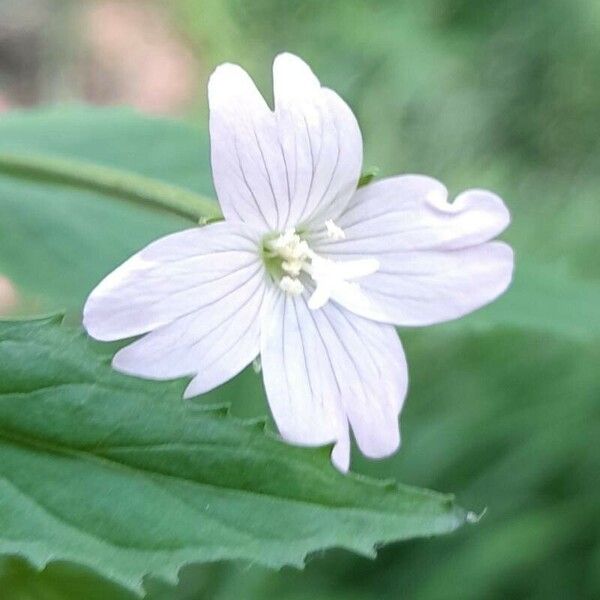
{"x": 328, "y": 369}
{"x": 436, "y": 260}
{"x": 277, "y": 169}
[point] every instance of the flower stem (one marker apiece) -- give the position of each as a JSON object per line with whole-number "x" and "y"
{"x": 112, "y": 182}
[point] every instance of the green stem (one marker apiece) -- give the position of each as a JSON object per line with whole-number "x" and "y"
{"x": 113, "y": 182}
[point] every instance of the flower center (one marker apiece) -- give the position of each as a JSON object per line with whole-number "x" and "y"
{"x": 293, "y": 265}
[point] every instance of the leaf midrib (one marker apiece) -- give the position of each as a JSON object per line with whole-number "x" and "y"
{"x": 114, "y": 182}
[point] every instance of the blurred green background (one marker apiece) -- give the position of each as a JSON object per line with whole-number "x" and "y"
{"x": 502, "y": 94}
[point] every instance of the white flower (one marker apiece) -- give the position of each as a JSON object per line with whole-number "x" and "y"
{"x": 306, "y": 270}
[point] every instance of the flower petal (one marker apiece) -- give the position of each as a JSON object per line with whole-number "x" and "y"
{"x": 176, "y": 275}
{"x": 247, "y": 162}
{"x": 412, "y": 212}
{"x": 324, "y": 368}
{"x": 435, "y": 264}
{"x": 423, "y": 288}
{"x": 199, "y": 293}
{"x": 321, "y": 142}
{"x": 276, "y": 169}
{"x": 300, "y": 384}
{"x": 213, "y": 343}
{"x": 340, "y": 455}
{"x": 371, "y": 369}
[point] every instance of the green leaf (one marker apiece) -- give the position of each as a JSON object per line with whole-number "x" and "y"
{"x": 124, "y": 477}
{"x": 62, "y": 227}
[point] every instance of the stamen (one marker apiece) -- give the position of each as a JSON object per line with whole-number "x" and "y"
{"x": 328, "y": 276}
{"x": 292, "y": 267}
{"x": 285, "y": 239}
{"x": 333, "y": 231}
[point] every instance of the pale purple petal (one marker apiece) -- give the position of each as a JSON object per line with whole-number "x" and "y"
{"x": 321, "y": 142}
{"x": 436, "y": 263}
{"x": 340, "y": 455}
{"x": 327, "y": 367}
{"x": 247, "y": 162}
{"x": 199, "y": 293}
{"x": 412, "y": 212}
{"x": 371, "y": 368}
{"x": 423, "y": 288}
{"x": 214, "y": 343}
{"x": 301, "y": 385}
{"x": 276, "y": 169}
{"x": 179, "y": 274}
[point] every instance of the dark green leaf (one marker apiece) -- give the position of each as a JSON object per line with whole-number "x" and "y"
{"x": 123, "y": 476}
{"x": 57, "y": 239}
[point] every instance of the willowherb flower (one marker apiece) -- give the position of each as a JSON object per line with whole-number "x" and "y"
{"x": 305, "y": 270}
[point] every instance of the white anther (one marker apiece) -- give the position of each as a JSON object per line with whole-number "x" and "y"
{"x": 291, "y": 286}
{"x": 302, "y": 250}
{"x": 294, "y": 252}
{"x": 328, "y": 276}
{"x": 285, "y": 240}
{"x": 333, "y": 231}
{"x": 292, "y": 267}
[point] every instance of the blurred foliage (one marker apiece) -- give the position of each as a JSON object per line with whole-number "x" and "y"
{"x": 50, "y": 274}
{"x": 504, "y": 95}
{"x": 501, "y": 94}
